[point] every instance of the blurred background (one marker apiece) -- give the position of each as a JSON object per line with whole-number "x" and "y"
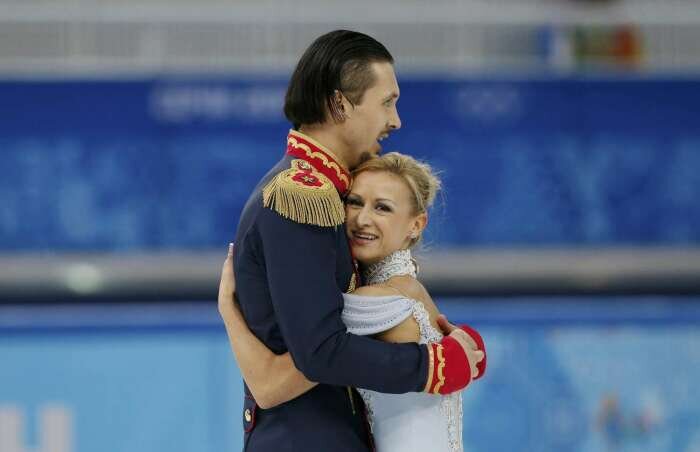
{"x": 567, "y": 133}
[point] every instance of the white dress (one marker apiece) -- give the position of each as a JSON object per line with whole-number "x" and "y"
{"x": 411, "y": 422}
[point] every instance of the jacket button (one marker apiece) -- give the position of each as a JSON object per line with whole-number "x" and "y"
{"x": 247, "y": 415}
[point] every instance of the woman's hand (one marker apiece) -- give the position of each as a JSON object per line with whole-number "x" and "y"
{"x": 271, "y": 378}
{"x": 228, "y": 307}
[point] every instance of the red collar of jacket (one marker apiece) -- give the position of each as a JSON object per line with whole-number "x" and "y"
{"x": 323, "y": 160}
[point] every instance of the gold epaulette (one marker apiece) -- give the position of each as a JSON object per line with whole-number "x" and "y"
{"x": 304, "y": 195}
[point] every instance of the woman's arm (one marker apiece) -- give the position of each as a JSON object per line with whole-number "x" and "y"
{"x": 409, "y": 331}
{"x": 273, "y": 379}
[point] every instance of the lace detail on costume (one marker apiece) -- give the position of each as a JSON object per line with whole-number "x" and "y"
{"x": 401, "y": 263}
{"x": 451, "y": 407}
{"x": 428, "y": 333}
{"x": 368, "y": 398}
{"x": 397, "y": 263}
{"x": 451, "y": 404}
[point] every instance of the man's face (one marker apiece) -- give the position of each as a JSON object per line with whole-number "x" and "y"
{"x": 370, "y": 121}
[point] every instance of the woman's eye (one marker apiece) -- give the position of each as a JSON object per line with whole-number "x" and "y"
{"x": 352, "y": 202}
{"x": 383, "y": 208}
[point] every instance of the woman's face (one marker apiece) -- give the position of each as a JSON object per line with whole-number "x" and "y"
{"x": 379, "y": 216}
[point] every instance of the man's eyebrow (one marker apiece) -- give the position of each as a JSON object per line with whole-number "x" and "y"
{"x": 392, "y": 96}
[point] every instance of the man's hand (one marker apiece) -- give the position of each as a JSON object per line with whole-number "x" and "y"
{"x": 471, "y": 349}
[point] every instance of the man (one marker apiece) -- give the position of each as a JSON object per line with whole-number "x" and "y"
{"x": 293, "y": 262}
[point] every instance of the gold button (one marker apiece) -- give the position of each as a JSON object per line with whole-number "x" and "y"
{"x": 247, "y": 415}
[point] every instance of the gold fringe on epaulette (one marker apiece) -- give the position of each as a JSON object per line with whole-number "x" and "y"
{"x": 320, "y": 206}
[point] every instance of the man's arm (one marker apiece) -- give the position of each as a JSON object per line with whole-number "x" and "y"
{"x": 300, "y": 261}
{"x": 272, "y": 379}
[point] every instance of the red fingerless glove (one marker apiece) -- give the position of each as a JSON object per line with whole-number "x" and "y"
{"x": 449, "y": 369}
{"x": 481, "y": 365}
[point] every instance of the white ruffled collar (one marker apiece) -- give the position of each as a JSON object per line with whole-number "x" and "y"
{"x": 397, "y": 263}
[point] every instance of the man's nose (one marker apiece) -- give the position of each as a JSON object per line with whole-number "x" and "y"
{"x": 395, "y": 120}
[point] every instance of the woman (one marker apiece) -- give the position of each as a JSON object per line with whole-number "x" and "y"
{"x": 386, "y": 212}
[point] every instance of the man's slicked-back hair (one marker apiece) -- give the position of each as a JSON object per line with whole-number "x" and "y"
{"x": 339, "y": 60}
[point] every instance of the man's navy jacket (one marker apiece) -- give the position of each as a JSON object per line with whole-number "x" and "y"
{"x": 292, "y": 265}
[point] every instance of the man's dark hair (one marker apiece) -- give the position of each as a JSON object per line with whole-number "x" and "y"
{"x": 339, "y": 60}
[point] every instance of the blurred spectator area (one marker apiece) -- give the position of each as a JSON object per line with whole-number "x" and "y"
{"x": 132, "y": 36}
{"x": 566, "y": 133}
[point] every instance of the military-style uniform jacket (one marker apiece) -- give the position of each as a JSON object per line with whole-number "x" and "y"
{"x": 292, "y": 264}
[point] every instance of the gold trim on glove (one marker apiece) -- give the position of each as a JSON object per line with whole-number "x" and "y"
{"x": 440, "y": 370}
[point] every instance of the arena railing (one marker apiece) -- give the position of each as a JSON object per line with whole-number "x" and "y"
{"x": 468, "y": 272}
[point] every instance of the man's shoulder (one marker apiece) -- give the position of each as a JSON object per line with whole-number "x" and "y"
{"x": 250, "y": 214}
{"x": 300, "y": 194}
{"x": 292, "y": 200}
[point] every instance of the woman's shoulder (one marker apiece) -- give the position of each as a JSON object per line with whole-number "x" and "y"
{"x": 408, "y": 287}
{"x": 376, "y": 290}
{"x": 413, "y": 289}
{"x": 404, "y": 286}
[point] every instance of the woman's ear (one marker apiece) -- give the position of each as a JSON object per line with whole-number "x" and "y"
{"x": 419, "y": 224}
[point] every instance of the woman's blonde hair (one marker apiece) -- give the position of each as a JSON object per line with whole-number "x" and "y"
{"x": 419, "y": 176}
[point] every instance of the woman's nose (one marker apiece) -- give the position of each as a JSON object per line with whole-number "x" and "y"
{"x": 363, "y": 217}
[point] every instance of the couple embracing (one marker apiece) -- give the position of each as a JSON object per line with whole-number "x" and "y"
{"x": 328, "y": 299}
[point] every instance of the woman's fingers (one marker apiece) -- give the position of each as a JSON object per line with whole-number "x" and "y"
{"x": 227, "y": 284}
{"x": 445, "y": 325}
{"x": 228, "y": 268}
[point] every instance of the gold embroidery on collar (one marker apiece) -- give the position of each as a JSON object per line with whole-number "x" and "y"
{"x": 305, "y": 137}
{"x": 311, "y": 154}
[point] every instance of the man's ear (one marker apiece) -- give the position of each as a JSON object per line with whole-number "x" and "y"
{"x": 337, "y": 109}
